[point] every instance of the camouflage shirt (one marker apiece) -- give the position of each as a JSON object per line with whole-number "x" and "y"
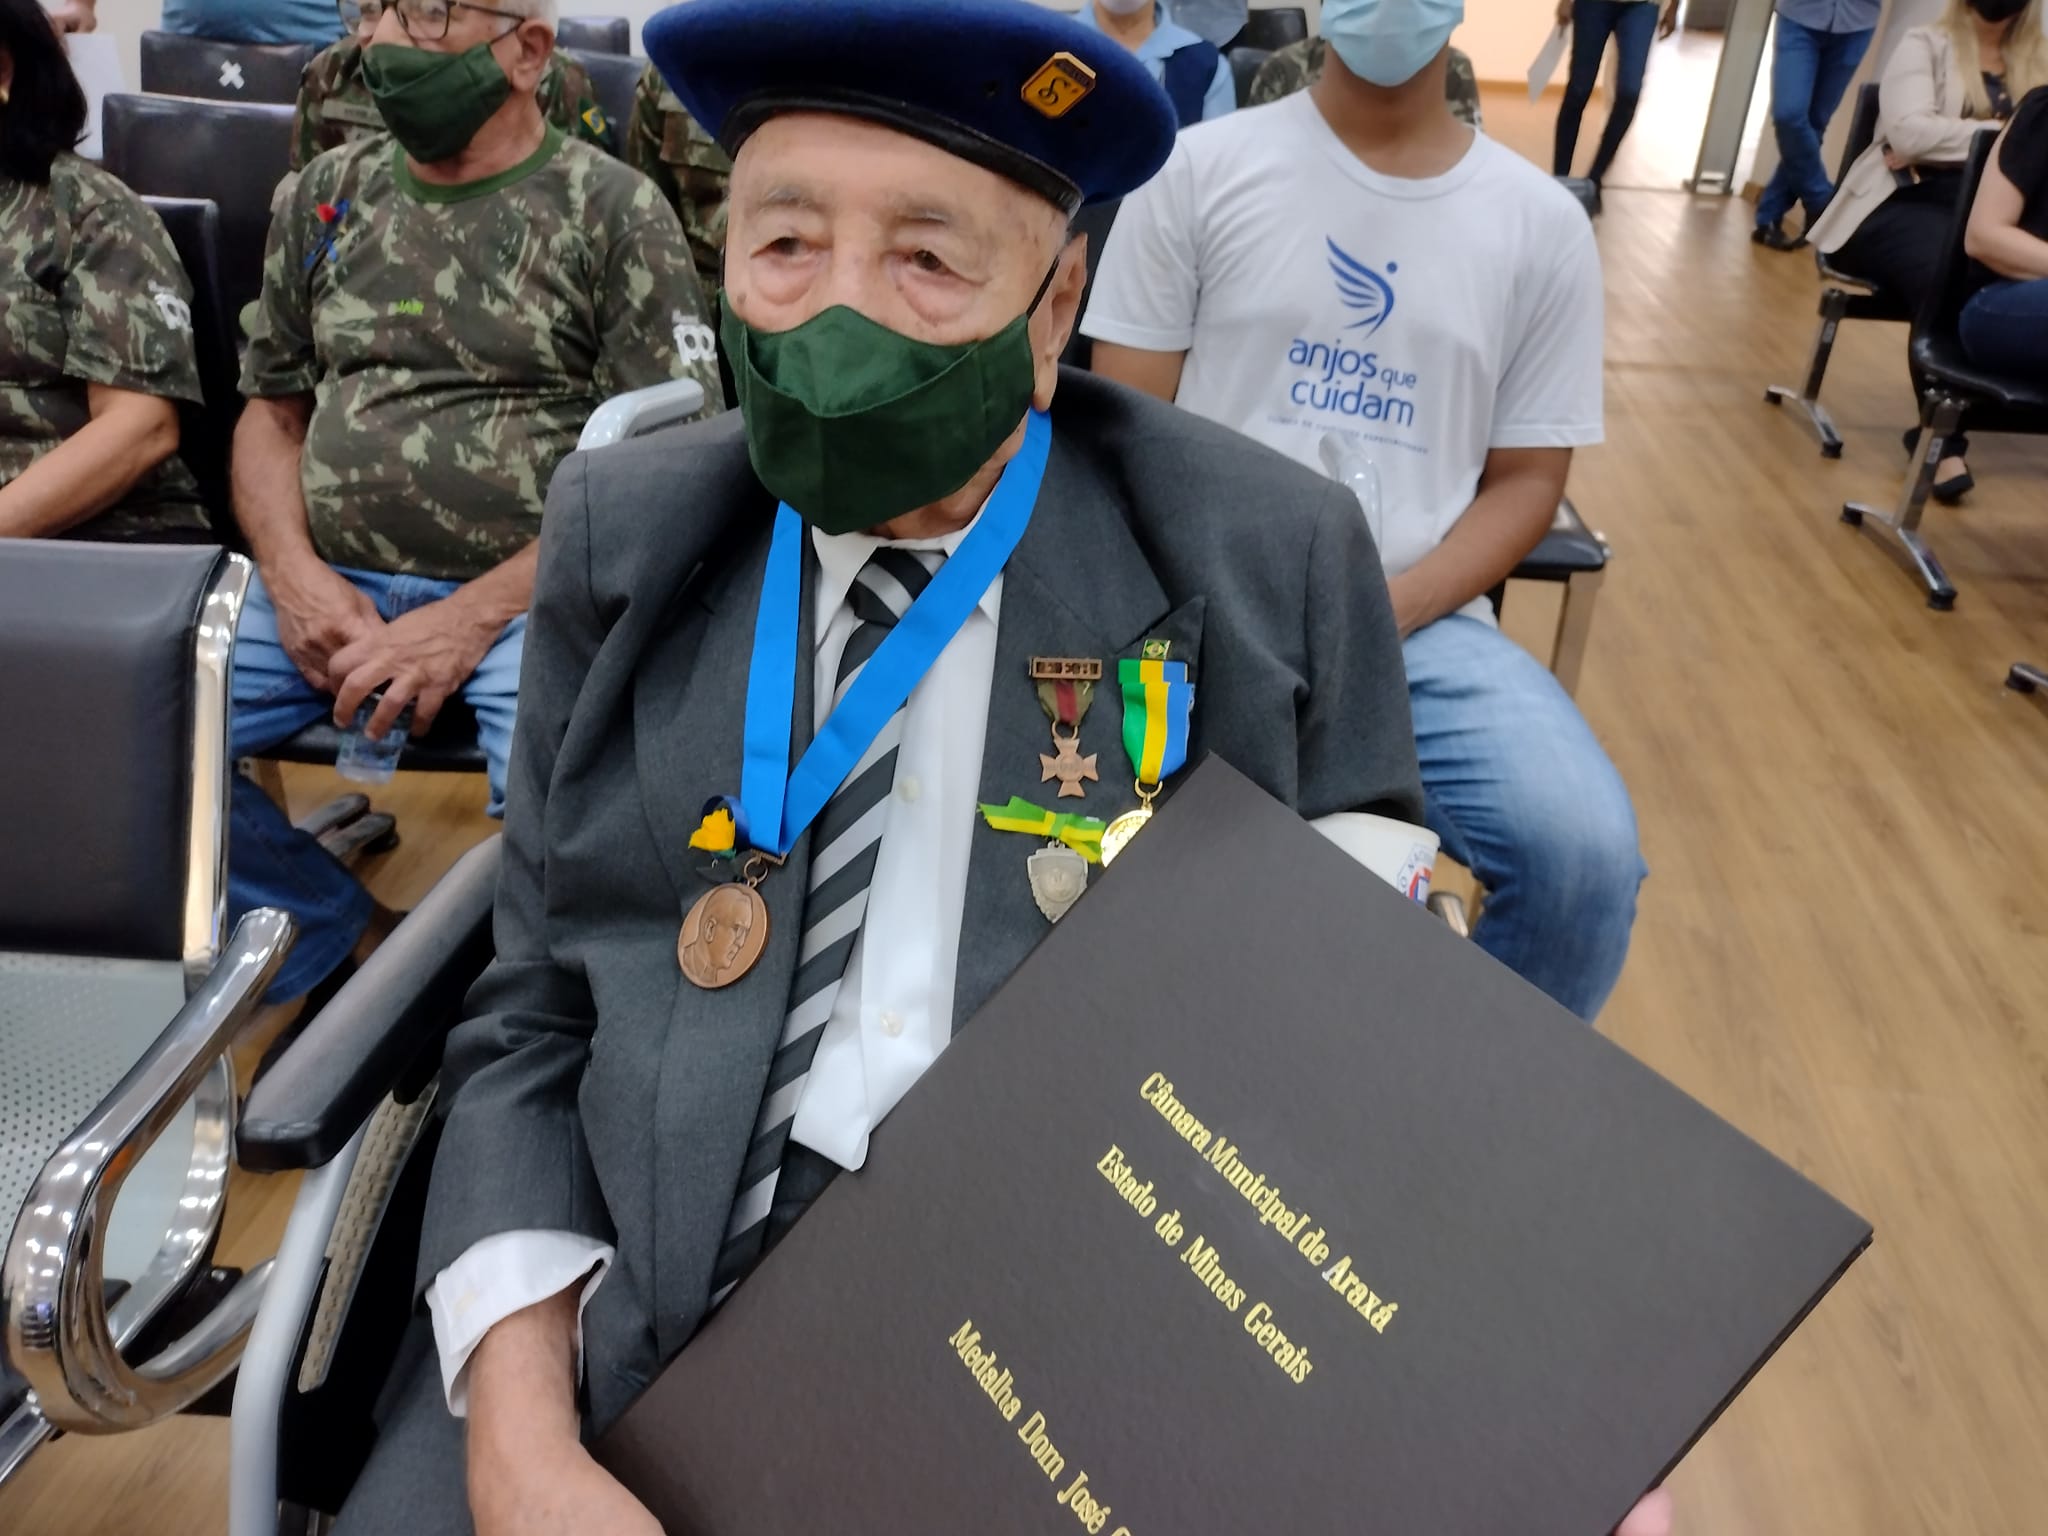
{"x": 1299, "y": 65}
{"x": 455, "y": 339}
{"x": 666, "y": 143}
{"x": 91, "y": 292}
{"x": 335, "y": 107}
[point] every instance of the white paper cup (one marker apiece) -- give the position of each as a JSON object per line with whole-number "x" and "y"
{"x": 1401, "y": 855}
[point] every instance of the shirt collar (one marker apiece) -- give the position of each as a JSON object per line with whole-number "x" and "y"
{"x": 1168, "y": 37}
{"x": 841, "y": 556}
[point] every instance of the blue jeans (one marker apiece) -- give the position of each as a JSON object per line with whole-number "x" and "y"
{"x": 1523, "y": 796}
{"x": 1809, "y": 72}
{"x": 1633, "y": 26}
{"x": 2005, "y": 329}
{"x": 271, "y": 863}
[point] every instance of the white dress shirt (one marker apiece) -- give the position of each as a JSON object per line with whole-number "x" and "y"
{"x": 894, "y": 1011}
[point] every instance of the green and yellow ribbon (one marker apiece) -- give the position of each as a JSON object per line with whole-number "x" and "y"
{"x": 1083, "y": 834}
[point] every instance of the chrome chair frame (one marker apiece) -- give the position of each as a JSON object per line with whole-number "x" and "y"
{"x": 59, "y": 1332}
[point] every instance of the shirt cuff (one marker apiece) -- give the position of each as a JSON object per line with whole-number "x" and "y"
{"x": 498, "y": 1276}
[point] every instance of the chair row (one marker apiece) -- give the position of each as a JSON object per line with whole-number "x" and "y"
{"x": 1959, "y": 394}
{"x": 121, "y": 992}
{"x": 176, "y": 65}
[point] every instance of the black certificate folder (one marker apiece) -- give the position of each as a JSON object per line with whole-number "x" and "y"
{"x": 1255, "y": 1201}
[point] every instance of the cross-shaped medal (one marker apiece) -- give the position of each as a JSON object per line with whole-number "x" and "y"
{"x": 1068, "y": 766}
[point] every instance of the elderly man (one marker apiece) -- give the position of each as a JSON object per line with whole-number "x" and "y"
{"x": 625, "y": 1139}
{"x": 670, "y": 147}
{"x": 439, "y": 317}
{"x": 336, "y": 106}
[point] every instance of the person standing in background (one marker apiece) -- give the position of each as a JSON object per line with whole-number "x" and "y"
{"x": 1196, "y": 76}
{"x": 1631, "y": 23}
{"x": 1820, "y": 43}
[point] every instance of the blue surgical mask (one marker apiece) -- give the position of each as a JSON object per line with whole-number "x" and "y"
{"x": 1389, "y": 41}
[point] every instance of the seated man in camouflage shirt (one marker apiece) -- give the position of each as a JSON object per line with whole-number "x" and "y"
{"x": 666, "y": 144}
{"x": 439, "y": 317}
{"x": 1299, "y": 65}
{"x": 335, "y": 106}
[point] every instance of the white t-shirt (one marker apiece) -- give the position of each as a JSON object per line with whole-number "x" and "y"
{"x": 1429, "y": 321}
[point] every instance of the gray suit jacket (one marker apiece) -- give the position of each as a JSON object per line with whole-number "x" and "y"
{"x": 595, "y": 1091}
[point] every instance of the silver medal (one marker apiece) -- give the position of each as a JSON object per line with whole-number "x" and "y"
{"x": 1058, "y": 877}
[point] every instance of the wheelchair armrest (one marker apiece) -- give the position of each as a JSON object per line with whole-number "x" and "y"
{"x": 329, "y": 1081}
{"x": 59, "y": 1336}
{"x": 641, "y": 411}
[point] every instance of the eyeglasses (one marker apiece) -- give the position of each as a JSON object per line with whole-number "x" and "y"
{"x": 424, "y": 21}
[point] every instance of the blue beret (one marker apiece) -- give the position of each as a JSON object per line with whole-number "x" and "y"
{"x": 1026, "y": 91}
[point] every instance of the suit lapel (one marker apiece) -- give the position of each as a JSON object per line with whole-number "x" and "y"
{"x": 1077, "y": 585}
{"x": 689, "y": 709}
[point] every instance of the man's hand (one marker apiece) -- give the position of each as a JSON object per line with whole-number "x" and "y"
{"x": 1651, "y": 1517}
{"x": 1564, "y": 13}
{"x": 74, "y": 16}
{"x": 556, "y": 1491}
{"x": 529, "y": 1474}
{"x": 420, "y": 658}
{"x": 318, "y": 614}
{"x": 1668, "y": 22}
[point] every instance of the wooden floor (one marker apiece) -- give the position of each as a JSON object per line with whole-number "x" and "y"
{"x": 1843, "y": 945}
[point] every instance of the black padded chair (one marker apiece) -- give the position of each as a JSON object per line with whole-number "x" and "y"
{"x": 120, "y": 990}
{"x": 206, "y": 431}
{"x": 1843, "y": 296}
{"x": 614, "y": 77}
{"x": 1959, "y": 394}
{"x": 594, "y": 34}
{"x": 233, "y": 153}
{"x": 1245, "y": 64}
{"x": 176, "y": 65}
{"x": 1272, "y": 28}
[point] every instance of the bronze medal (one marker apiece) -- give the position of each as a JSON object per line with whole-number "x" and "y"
{"x": 1066, "y": 687}
{"x": 724, "y": 933}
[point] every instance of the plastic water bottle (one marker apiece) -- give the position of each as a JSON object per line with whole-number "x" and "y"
{"x": 1352, "y": 467}
{"x": 372, "y": 762}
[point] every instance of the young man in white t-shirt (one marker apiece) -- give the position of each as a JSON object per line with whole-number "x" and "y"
{"x": 1352, "y": 265}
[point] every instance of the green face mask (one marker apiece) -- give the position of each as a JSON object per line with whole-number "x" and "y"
{"x": 853, "y": 424}
{"x": 434, "y": 103}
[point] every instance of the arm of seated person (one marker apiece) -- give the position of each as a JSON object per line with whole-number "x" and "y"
{"x": 318, "y": 612}
{"x": 130, "y": 433}
{"x": 1994, "y": 236}
{"x": 1519, "y": 490}
{"x": 528, "y": 1472}
{"x": 1154, "y": 373}
{"x": 424, "y": 657}
{"x": 1909, "y": 120}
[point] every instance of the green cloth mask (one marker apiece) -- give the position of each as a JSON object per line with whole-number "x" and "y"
{"x": 853, "y": 424}
{"x": 434, "y": 103}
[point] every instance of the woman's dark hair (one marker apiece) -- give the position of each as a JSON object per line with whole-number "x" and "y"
{"x": 45, "y": 111}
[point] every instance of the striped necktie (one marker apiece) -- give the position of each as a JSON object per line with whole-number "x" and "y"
{"x": 844, "y": 841}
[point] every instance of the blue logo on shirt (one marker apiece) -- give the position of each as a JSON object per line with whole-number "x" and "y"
{"x": 1361, "y": 288}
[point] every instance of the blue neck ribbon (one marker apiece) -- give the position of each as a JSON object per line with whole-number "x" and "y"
{"x": 778, "y": 802}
